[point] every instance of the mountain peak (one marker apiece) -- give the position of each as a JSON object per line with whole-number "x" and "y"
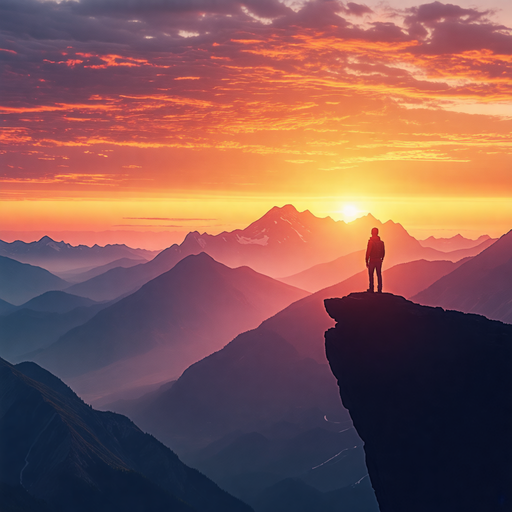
{"x": 284, "y": 209}
{"x": 45, "y": 239}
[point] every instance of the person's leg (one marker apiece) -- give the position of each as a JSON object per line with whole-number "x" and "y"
{"x": 371, "y": 268}
{"x": 378, "y": 268}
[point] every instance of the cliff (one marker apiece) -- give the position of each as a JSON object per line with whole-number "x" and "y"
{"x": 430, "y": 394}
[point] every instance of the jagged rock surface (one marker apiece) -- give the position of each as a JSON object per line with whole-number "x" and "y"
{"x": 430, "y": 394}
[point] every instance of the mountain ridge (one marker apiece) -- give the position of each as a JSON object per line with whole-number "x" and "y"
{"x": 78, "y": 459}
{"x": 481, "y": 285}
{"x": 177, "y": 318}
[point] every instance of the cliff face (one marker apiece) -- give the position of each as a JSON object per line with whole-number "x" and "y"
{"x": 430, "y": 394}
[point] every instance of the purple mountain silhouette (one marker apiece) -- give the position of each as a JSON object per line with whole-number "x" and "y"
{"x": 83, "y": 274}
{"x": 454, "y": 243}
{"x": 273, "y": 382}
{"x": 282, "y": 242}
{"x": 41, "y": 321}
{"x": 400, "y": 248}
{"x": 20, "y": 282}
{"x": 58, "y": 256}
{"x": 300, "y": 327}
{"x": 171, "y": 322}
{"x": 481, "y": 285}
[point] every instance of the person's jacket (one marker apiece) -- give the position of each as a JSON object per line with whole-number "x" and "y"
{"x": 375, "y": 249}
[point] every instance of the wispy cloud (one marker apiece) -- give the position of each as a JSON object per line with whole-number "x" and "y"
{"x": 177, "y": 219}
{"x": 254, "y": 88}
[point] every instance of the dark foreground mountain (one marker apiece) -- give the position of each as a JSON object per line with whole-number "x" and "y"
{"x": 481, "y": 285}
{"x": 55, "y": 256}
{"x": 171, "y": 322}
{"x": 59, "y": 454}
{"x": 430, "y": 393}
{"x": 20, "y": 282}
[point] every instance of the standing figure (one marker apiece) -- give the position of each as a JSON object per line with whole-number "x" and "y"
{"x": 374, "y": 255}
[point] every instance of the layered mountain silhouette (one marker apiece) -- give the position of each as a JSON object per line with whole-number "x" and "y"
{"x": 120, "y": 281}
{"x": 59, "y": 256}
{"x": 57, "y": 302}
{"x": 171, "y": 322}
{"x": 300, "y": 327}
{"x": 273, "y": 382}
{"x": 24, "y": 331}
{"x": 400, "y": 247}
{"x": 20, "y": 282}
{"x": 60, "y": 454}
{"x": 281, "y": 243}
{"x": 430, "y": 393}
{"x": 6, "y": 307}
{"x": 481, "y": 285}
{"x": 454, "y": 243}
{"x": 84, "y": 274}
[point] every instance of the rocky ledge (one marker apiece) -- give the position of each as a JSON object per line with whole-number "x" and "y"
{"x": 430, "y": 394}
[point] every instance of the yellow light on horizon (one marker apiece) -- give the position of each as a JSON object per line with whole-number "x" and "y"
{"x": 350, "y": 212}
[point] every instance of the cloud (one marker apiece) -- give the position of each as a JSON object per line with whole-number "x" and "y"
{"x": 258, "y": 84}
{"x": 177, "y": 219}
{"x": 143, "y": 8}
{"x": 432, "y": 13}
{"x": 357, "y": 9}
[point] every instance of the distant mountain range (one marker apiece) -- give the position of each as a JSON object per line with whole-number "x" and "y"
{"x": 41, "y": 321}
{"x": 20, "y": 282}
{"x": 61, "y": 256}
{"x": 481, "y": 285}
{"x": 402, "y": 249}
{"x": 60, "y": 454}
{"x": 81, "y": 275}
{"x": 56, "y": 302}
{"x": 283, "y": 242}
{"x": 455, "y": 243}
{"x": 430, "y": 393}
{"x": 174, "y": 320}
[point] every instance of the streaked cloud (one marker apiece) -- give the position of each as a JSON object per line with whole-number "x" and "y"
{"x": 180, "y": 95}
{"x": 177, "y": 219}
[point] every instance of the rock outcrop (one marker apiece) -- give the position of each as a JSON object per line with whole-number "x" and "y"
{"x": 430, "y": 394}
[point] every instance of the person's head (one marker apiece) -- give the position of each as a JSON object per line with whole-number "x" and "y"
{"x": 375, "y": 231}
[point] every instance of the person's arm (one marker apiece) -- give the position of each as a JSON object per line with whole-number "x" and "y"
{"x": 368, "y": 251}
{"x": 383, "y": 251}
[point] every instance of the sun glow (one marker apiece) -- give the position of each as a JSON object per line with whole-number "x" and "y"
{"x": 349, "y": 212}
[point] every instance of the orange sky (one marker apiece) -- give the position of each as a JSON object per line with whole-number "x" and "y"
{"x": 204, "y": 115}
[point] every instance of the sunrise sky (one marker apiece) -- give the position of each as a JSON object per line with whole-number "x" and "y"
{"x": 203, "y": 114}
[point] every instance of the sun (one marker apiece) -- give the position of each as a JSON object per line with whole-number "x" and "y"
{"x": 349, "y": 212}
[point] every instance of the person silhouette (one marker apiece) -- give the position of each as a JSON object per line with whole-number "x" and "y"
{"x": 375, "y": 252}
